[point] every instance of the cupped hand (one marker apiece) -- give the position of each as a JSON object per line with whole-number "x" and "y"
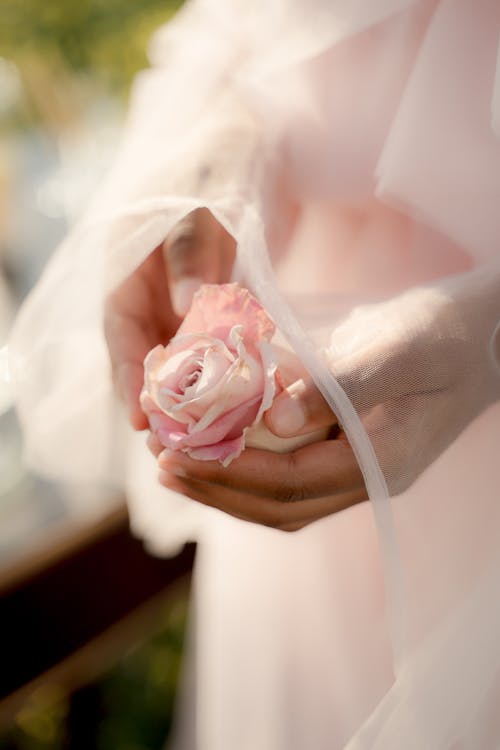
{"x": 146, "y": 309}
{"x": 285, "y": 491}
{"x": 418, "y": 372}
{"x": 417, "y": 368}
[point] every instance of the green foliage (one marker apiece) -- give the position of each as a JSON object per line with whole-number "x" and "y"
{"x": 105, "y": 39}
{"x": 134, "y": 700}
{"x": 40, "y": 722}
{"x": 138, "y": 695}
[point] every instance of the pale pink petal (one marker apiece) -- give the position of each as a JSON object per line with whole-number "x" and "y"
{"x": 174, "y": 441}
{"x": 242, "y": 383}
{"x": 215, "y": 366}
{"x": 154, "y": 358}
{"x": 215, "y": 378}
{"x": 147, "y": 403}
{"x": 152, "y": 363}
{"x": 216, "y": 308}
{"x": 167, "y": 367}
{"x": 173, "y": 435}
{"x": 197, "y": 341}
{"x": 230, "y": 397}
{"x": 229, "y": 424}
{"x": 270, "y": 366}
{"x": 224, "y": 452}
{"x": 203, "y": 408}
{"x": 175, "y": 367}
{"x": 169, "y": 433}
{"x": 212, "y": 368}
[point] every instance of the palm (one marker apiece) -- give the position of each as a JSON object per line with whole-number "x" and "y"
{"x": 139, "y": 316}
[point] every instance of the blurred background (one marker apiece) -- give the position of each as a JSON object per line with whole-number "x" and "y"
{"x": 65, "y": 72}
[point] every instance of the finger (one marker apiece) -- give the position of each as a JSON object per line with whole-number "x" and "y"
{"x": 154, "y": 444}
{"x": 127, "y": 348}
{"x": 129, "y": 380}
{"x": 298, "y": 410}
{"x": 137, "y": 316}
{"x": 198, "y": 250}
{"x": 263, "y": 511}
{"x": 317, "y": 470}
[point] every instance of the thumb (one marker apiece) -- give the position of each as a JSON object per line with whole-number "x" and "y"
{"x": 298, "y": 410}
{"x": 197, "y": 251}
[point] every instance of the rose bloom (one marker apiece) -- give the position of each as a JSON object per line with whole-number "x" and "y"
{"x": 216, "y": 377}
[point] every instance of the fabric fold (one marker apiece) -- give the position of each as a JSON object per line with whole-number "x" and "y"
{"x": 352, "y": 151}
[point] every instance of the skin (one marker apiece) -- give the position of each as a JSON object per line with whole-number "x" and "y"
{"x": 146, "y": 310}
{"x": 408, "y": 379}
{"x": 284, "y": 491}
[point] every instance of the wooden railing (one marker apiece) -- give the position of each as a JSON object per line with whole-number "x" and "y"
{"x": 70, "y": 609}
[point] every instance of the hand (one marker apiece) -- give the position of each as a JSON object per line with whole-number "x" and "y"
{"x": 285, "y": 491}
{"x": 418, "y": 371}
{"x": 146, "y": 309}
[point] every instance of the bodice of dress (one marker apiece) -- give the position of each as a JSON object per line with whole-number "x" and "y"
{"x": 335, "y": 119}
{"x": 341, "y": 104}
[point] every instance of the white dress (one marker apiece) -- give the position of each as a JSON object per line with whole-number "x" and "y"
{"x": 353, "y": 150}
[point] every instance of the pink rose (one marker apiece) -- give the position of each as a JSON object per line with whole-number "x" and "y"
{"x": 215, "y": 378}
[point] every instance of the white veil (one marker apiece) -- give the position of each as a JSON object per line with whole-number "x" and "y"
{"x": 393, "y": 102}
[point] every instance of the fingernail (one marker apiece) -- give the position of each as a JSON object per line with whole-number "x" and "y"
{"x": 287, "y": 416}
{"x": 168, "y": 460}
{"x": 163, "y": 477}
{"x": 165, "y": 456}
{"x": 182, "y": 293}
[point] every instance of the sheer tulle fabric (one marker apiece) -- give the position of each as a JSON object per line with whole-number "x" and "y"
{"x": 352, "y": 149}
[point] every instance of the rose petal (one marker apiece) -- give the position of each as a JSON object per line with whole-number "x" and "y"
{"x": 214, "y": 368}
{"x": 216, "y": 308}
{"x": 194, "y": 401}
{"x": 175, "y": 367}
{"x": 224, "y": 452}
{"x": 147, "y": 403}
{"x": 215, "y": 378}
{"x": 165, "y": 368}
{"x": 270, "y": 366}
{"x": 228, "y": 425}
{"x": 242, "y": 385}
{"x": 152, "y": 363}
{"x": 169, "y": 432}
